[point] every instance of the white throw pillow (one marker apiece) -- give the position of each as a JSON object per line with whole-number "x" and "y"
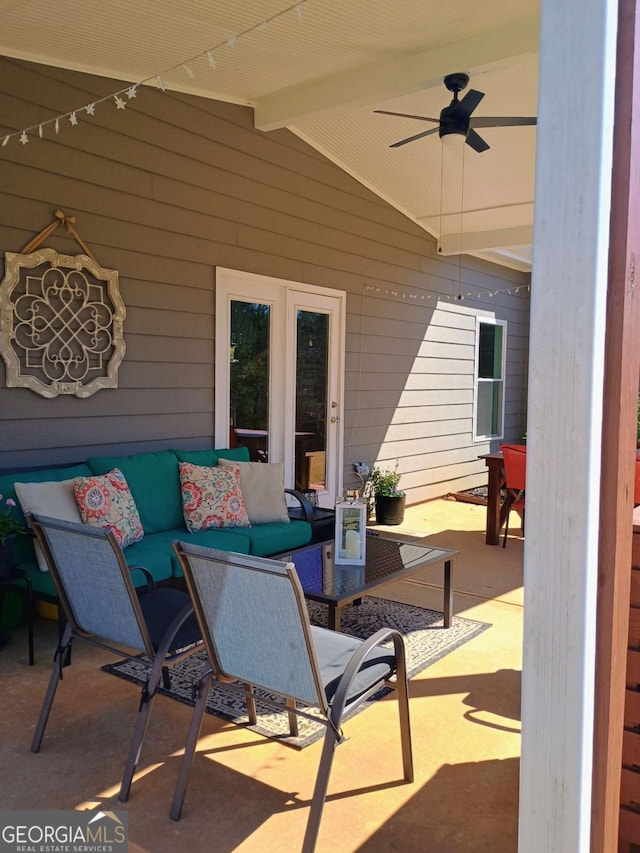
{"x": 56, "y": 500}
{"x": 262, "y": 487}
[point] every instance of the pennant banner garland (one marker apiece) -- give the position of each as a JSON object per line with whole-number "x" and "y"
{"x": 123, "y": 96}
{"x": 460, "y": 297}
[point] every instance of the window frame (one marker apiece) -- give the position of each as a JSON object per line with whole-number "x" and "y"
{"x": 489, "y": 321}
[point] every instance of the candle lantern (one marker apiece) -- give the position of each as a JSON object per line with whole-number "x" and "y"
{"x": 351, "y": 532}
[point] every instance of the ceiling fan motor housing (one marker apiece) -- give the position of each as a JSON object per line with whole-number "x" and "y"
{"x": 450, "y": 119}
{"x": 452, "y": 122}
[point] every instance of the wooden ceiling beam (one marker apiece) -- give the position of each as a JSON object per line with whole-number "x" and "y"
{"x": 377, "y": 82}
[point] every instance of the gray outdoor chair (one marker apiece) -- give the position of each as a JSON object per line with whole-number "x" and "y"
{"x": 256, "y": 630}
{"x": 100, "y": 606}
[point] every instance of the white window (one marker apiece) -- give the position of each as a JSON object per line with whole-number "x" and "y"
{"x": 491, "y": 348}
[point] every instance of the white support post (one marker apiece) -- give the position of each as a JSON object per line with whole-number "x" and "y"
{"x": 568, "y": 305}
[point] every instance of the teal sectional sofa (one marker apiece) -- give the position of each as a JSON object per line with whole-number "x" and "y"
{"x": 154, "y": 481}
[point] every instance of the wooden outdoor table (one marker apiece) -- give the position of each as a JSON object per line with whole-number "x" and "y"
{"x": 496, "y": 509}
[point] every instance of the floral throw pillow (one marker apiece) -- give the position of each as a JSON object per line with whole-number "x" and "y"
{"x": 211, "y": 497}
{"x": 107, "y": 502}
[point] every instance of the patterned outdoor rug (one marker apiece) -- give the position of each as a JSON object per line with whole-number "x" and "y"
{"x": 426, "y": 641}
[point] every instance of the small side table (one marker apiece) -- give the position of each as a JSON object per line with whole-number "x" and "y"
{"x": 322, "y": 523}
{"x": 18, "y": 581}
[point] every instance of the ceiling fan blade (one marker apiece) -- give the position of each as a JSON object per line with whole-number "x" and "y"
{"x": 502, "y": 121}
{"x": 413, "y": 138}
{"x": 406, "y": 115}
{"x": 477, "y": 142}
{"x": 464, "y": 108}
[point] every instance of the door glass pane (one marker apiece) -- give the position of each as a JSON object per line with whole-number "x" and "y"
{"x": 249, "y": 378}
{"x": 312, "y": 370}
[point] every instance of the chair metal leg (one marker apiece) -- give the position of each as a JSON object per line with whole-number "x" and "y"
{"x": 252, "y": 711}
{"x": 506, "y": 526}
{"x": 148, "y": 693}
{"x": 320, "y": 791}
{"x": 405, "y": 734}
{"x": 402, "y": 691}
{"x": 190, "y": 748}
{"x": 56, "y": 676}
{"x": 166, "y": 678}
{"x": 136, "y": 747}
{"x": 62, "y": 624}
{"x": 293, "y": 717}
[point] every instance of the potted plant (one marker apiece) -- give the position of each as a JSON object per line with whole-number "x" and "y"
{"x": 10, "y": 527}
{"x": 389, "y": 499}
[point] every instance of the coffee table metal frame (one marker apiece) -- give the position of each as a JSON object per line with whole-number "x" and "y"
{"x": 388, "y": 560}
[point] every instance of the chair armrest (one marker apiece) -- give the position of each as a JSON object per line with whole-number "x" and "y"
{"x": 358, "y": 659}
{"x": 150, "y": 581}
{"x": 307, "y": 509}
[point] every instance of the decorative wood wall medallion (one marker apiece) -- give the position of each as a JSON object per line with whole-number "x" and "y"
{"x": 61, "y": 323}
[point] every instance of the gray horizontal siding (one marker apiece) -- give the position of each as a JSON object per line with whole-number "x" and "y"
{"x": 174, "y": 186}
{"x": 412, "y": 381}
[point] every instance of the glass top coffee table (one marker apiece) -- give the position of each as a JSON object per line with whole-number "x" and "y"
{"x": 387, "y": 560}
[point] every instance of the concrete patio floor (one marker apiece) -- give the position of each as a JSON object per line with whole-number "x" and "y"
{"x": 248, "y": 793}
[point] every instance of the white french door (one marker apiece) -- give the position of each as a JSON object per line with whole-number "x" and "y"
{"x": 279, "y": 369}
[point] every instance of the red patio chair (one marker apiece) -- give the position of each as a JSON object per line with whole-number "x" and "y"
{"x": 515, "y": 473}
{"x": 636, "y": 488}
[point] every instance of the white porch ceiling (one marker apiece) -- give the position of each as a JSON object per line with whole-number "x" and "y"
{"x": 320, "y": 68}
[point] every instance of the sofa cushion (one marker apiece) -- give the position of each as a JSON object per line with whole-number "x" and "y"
{"x": 53, "y": 499}
{"x": 209, "y": 458}
{"x": 151, "y": 555}
{"x": 211, "y": 497}
{"x": 155, "y": 485}
{"x": 215, "y": 537}
{"x": 263, "y": 489}
{"x": 23, "y": 548}
{"x": 106, "y": 501}
{"x": 269, "y": 539}
{"x": 156, "y": 558}
{"x": 238, "y": 454}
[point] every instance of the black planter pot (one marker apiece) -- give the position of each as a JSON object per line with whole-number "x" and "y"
{"x": 390, "y": 510}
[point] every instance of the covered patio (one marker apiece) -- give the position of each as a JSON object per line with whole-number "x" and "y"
{"x": 249, "y": 793}
{"x": 204, "y": 188}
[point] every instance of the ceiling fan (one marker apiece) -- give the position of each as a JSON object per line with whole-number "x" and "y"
{"x": 457, "y": 118}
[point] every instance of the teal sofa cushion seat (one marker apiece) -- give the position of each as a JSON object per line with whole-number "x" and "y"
{"x": 213, "y": 538}
{"x": 154, "y": 481}
{"x": 157, "y": 561}
{"x": 276, "y": 537}
{"x": 152, "y": 557}
{"x": 220, "y": 538}
{"x": 209, "y": 458}
{"x": 23, "y": 548}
